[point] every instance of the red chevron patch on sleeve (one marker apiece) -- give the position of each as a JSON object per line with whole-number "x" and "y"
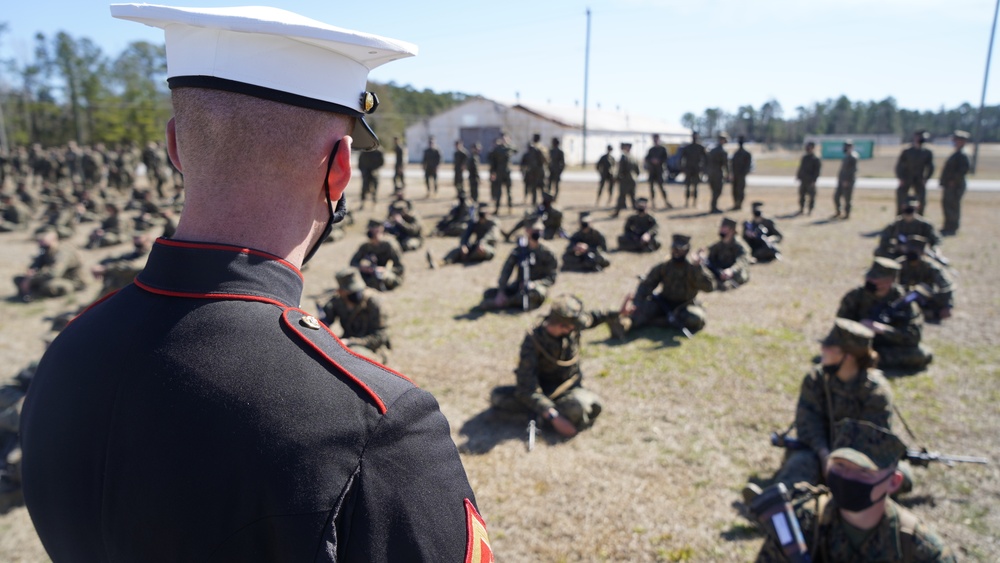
{"x": 477, "y": 547}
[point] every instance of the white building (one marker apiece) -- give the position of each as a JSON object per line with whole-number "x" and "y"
{"x": 481, "y": 120}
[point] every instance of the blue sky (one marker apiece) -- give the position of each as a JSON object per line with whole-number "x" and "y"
{"x": 658, "y": 58}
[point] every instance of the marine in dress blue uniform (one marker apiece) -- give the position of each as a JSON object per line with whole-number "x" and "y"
{"x": 200, "y": 415}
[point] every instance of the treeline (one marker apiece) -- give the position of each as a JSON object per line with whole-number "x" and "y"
{"x": 71, "y": 90}
{"x": 769, "y": 124}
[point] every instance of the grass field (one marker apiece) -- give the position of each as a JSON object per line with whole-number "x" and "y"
{"x": 685, "y": 422}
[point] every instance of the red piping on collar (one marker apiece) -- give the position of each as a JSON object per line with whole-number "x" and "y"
{"x": 229, "y": 248}
{"x": 220, "y": 296}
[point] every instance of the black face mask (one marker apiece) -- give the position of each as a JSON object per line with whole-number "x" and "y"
{"x": 912, "y": 256}
{"x": 870, "y": 286}
{"x": 853, "y": 496}
{"x": 336, "y": 215}
{"x": 678, "y": 259}
{"x": 536, "y": 235}
{"x": 355, "y": 297}
{"x": 722, "y": 235}
{"x": 756, "y": 213}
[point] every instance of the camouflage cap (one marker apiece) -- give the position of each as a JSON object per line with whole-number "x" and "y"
{"x": 641, "y": 202}
{"x": 373, "y": 224}
{"x": 483, "y": 206}
{"x": 923, "y": 134}
{"x": 848, "y": 142}
{"x": 852, "y": 337}
{"x": 757, "y": 204}
{"x": 585, "y": 216}
{"x": 349, "y": 279}
{"x": 399, "y": 205}
{"x": 727, "y": 222}
{"x": 959, "y": 134}
{"x": 723, "y": 136}
{"x": 883, "y": 268}
{"x": 626, "y": 145}
{"x": 741, "y": 139}
{"x": 866, "y": 445}
{"x": 566, "y": 309}
{"x": 681, "y": 241}
{"x": 548, "y": 196}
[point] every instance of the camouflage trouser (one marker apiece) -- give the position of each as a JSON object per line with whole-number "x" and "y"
{"x": 515, "y": 297}
{"x": 844, "y": 191}
{"x": 715, "y": 183}
{"x": 904, "y": 357}
{"x": 369, "y": 186}
{"x": 474, "y": 187}
{"x": 581, "y": 406}
{"x": 590, "y": 261}
{"x": 919, "y": 186}
{"x": 656, "y": 180}
{"x": 496, "y": 189}
{"x": 739, "y": 191}
{"x": 653, "y": 313}
{"x": 410, "y": 243}
{"x": 630, "y": 244}
{"x": 626, "y": 190}
{"x": 9, "y": 227}
{"x": 388, "y": 282}
{"x": 691, "y": 180}
{"x": 951, "y": 204}
{"x": 47, "y": 287}
{"x": 479, "y": 253}
{"x": 807, "y": 196}
{"x": 429, "y": 176}
{"x": 610, "y": 181}
{"x": 764, "y": 254}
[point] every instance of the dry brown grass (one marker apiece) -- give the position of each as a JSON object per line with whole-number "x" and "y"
{"x": 685, "y": 422}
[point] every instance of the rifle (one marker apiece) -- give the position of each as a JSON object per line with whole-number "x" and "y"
{"x": 532, "y": 430}
{"x": 672, "y": 317}
{"x": 898, "y": 309}
{"x": 928, "y": 250}
{"x": 920, "y": 457}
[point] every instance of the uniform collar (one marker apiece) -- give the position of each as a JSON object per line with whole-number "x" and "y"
{"x": 201, "y": 270}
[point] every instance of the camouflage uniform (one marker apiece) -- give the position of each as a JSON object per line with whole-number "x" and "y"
{"x": 636, "y": 225}
{"x": 953, "y": 186}
{"x": 656, "y": 160}
{"x": 605, "y": 167}
{"x": 459, "y": 160}
{"x": 480, "y": 238}
{"x": 549, "y": 375}
{"x": 592, "y": 259}
{"x": 499, "y": 159}
{"x": 914, "y": 167}
{"x": 557, "y": 163}
{"x": 755, "y": 231}
{"x": 365, "y": 323}
{"x": 675, "y": 305}
{"x": 845, "y": 183}
{"x": 927, "y": 272}
{"x": 897, "y": 537}
{"x": 625, "y": 176}
{"x": 889, "y": 243}
{"x": 14, "y": 215}
{"x": 57, "y": 272}
{"x": 454, "y": 223}
{"x": 741, "y": 165}
{"x": 431, "y": 161}
{"x": 533, "y": 165}
{"x": 473, "y": 165}
{"x": 398, "y": 177}
{"x": 807, "y": 174}
{"x": 543, "y": 266}
{"x": 733, "y": 254}
{"x": 693, "y": 158}
{"x": 825, "y": 400}
{"x": 899, "y": 346}
{"x": 114, "y": 229}
{"x": 718, "y": 173}
{"x": 551, "y": 218}
{"x": 368, "y": 163}
{"x": 408, "y": 230}
{"x": 382, "y": 253}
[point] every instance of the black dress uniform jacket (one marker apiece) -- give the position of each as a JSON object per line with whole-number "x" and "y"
{"x": 199, "y": 415}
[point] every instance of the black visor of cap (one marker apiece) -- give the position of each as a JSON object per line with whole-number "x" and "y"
{"x": 364, "y": 138}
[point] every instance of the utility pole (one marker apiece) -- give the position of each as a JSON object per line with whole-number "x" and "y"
{"x": 982, "y": 99}
{"x": 586, "y": 77}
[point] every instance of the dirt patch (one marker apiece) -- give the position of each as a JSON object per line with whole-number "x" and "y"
{"x": 685, "y": 422}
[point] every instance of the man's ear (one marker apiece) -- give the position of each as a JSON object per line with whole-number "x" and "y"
{"x": 895, "y": 482}
{"x": 340, "y": 171}
{"x": 172, "y": 145}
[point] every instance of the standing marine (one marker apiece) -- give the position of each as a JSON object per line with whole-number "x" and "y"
{"x": 807, "y": 174}
{"x": 718, "y": 170}
{"x": 914, "y": 167}
{"x": 953, "y": 184}
{"x": 846, "y": 177}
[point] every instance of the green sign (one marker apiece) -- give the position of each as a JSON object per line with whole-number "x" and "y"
{"x": 834, "y": 150}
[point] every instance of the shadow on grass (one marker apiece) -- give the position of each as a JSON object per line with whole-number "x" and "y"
{"x": 694, "y": 215}
{"x": 742, "y": 531}
{"x": 791, "y": 215}
{"x": 666, "y": 337}
{"x": 871, "y": 234}
{"x": 489, "y": 428}
{"x": 476, "y": 313}
{"x": 826, "y": 221}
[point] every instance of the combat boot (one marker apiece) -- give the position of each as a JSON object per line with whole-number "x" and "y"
{"x": 620, "y": 326}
